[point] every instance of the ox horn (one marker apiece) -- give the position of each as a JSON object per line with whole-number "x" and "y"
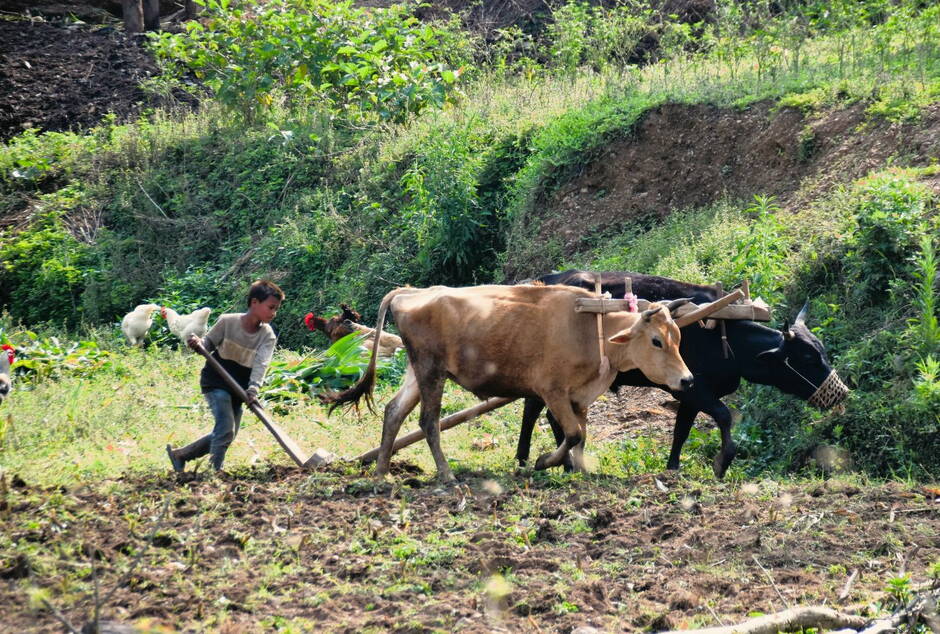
{"x": 787, "y": 333}
{"x": 648, "y": 314}
{"x": 801, "y": 317}
{"x": 676, "y": 303}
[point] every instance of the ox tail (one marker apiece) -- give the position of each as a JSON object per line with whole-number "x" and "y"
{"x": 366, "y": 384}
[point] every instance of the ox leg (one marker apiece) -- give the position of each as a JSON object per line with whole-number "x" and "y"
{"x": 571, "y": 424}
{"x": 729, "y": 450}
{"x": 395, "y": 413}
{"x": 576, "y": 455}
{"x": 432, "y": 390}
{"x": 530, "y": 414}
{"x": 684, "y": 419}
{"x": 559, "y": 434}
{"x": 680, "y": 432}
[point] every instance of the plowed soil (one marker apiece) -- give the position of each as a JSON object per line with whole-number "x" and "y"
{"x": 334, "y": 551}
{"x": 57, "y": 78}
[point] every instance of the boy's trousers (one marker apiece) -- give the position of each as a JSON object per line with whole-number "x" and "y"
{"x": 228, "y": 416}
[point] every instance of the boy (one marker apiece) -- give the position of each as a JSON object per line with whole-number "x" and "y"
{"x": 243, "y": 343}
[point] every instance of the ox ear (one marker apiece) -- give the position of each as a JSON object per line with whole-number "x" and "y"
{"x": 767, "y": 355}
{"x": 648, "y": 314}
{"x": 624, "y": 336}
{"x": 801, "y": 317}
{"x": 676, "y": 303}
{"x": 785, "y": 331}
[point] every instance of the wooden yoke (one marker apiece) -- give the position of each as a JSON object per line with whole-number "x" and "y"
{"x": 705, "y": 310}
{"x": 605, "y": 362}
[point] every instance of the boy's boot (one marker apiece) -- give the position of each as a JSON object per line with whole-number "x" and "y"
{"x": 179, "y": 457}
{"x": 178, "y": 463}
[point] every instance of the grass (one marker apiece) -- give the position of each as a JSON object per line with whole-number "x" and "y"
{"x": 97, "y": 427}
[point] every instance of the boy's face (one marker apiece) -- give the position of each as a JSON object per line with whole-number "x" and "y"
{"x": 266, "y": 311}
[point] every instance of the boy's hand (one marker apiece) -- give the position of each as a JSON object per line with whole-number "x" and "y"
{"x": 252, "y": 394}
{"x": 193, "y": 341}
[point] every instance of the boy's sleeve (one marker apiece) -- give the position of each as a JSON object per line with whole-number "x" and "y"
{"x": 262, "y": 359}
{"x": 215, "y": 335}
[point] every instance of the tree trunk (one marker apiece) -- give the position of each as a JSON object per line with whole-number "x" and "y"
{"x": 133, "y": 17}
{"x": 152, "y": 15}
{"x": 190, "y": 9}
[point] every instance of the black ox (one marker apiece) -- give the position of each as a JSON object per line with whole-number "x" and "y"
{"x": 792, "y": 360}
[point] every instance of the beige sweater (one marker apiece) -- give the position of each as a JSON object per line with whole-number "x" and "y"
{"x": 244, "y": 355}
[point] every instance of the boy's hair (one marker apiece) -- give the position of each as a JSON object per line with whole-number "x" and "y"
{"x": 263, "y": 289}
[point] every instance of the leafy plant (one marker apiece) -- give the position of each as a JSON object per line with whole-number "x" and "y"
{"x": 42, "y": 358}
{"x": 760, "y": 255}
{"x": 378, "y": 63}
{"x": 924, "y": 329}
{"x": 335, "y": 368}
{"x": 899, "y": 590}
{"x": 889, "y": 223}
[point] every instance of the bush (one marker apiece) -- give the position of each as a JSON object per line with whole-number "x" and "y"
{"x": 889, "y": 220}
{"x": 878, "y": 306}
{"x": 43, "y": 273}
{"x": 363, "y": 64}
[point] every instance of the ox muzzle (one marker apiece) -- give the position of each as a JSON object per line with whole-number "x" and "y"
{"x": 830, "y": 392}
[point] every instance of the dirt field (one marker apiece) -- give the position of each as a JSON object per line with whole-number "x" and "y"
{"x": 332, "y": 551}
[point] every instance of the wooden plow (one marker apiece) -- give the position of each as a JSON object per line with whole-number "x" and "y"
{"x": 734, "y": 305}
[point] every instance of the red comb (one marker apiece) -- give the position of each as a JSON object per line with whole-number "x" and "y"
{"x": 308, "y": 320}
{"x": 11, "y": 352}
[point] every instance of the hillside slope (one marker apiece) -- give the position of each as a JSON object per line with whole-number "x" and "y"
{"x": 688, "y": 156}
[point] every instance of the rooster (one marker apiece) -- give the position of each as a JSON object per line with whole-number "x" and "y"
{"x": 195, "y": 323}
{"x": 347, "y": 322}
{"x": 136, "y": 323}
{"x": 6, "y": 360}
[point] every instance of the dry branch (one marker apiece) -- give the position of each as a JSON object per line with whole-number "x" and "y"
{"x": 791, "y": 620}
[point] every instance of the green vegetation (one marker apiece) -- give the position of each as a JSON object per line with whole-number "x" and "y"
{"x": 375, "y": 150}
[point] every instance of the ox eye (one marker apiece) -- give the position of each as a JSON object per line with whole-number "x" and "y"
{"x": 657, "y": 343}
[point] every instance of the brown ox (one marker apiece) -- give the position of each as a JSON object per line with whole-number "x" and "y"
{"x": 338, "y": 326}
{"x": 514, "y": 341}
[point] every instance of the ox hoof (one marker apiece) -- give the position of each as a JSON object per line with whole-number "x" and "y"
{"x": 542, "y": 463}
{"x": 383, "y": 478}
{"x": 722, "y": 462}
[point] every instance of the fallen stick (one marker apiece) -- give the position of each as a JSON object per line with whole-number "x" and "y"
{"x": 446, "y": 423}
{"x": 789, "y": 621}
{"x": 293, "y": 450}
{"x": 847, "y": 588}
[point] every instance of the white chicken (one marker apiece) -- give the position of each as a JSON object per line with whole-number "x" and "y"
{"x": 136, "y": 323}
{"x": 195, "y": 323}
{"x": 7, "y": 356}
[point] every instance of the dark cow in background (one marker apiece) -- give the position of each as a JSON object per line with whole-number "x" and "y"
{"x": 792, "y": 360}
